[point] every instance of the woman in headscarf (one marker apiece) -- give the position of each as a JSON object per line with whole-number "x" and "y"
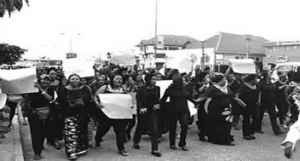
{"x": 115, "y": 87}
{"x": 76, "y": 103}
{"x": 130, "y": 87}
{"x": 250, "y": 95}
{"x": 54, "y": 82}
{"x": 218, "y": 103}
{"x": 148, "y": 113}
{"x": 38, "y": 118}
{"x": 203, "y": 118}
{"x": 268, "y": 98}
{"x": 179, "y": 111}
{"x": 281, "y": 102}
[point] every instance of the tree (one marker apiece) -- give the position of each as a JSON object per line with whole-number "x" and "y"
{"x": 11, "y": 6}
{"x": 9, "y": 54}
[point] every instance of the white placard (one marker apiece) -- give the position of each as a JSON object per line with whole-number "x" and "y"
{"x": 192, "y": 109}
{"x": 117, "y": 106}
{"x": 3, "y": 98}
{"x": 164, "y": 84}
{"x": 243, "y": 66}
{"x": 84, "y": 68}
{"x": 18, "y": 81}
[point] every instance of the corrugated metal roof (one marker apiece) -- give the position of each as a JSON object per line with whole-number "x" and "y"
{"x": 232, "y": 44}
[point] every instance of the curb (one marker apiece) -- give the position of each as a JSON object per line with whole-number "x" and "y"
{"x": 19, "y": 155}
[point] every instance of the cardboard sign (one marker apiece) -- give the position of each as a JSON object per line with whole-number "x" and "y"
{"x": 120, "y": 109}
{"x": 243, "y": 66}
{"x": 19, "y": 81}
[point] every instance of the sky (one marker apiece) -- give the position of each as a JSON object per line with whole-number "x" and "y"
{"x": 100, "y": 26}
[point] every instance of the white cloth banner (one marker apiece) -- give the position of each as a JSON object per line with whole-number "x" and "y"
{"x": 192, "y": 109}
{"x": 125, "y": 59}
{"x": 3, "y": 98}
{"x": 117, "y": 106}
{"x": 18, "y": 81}
{"x": 164, "y": 84}
{"x": 243, "y": 66}
{"x": 84, "y": 68}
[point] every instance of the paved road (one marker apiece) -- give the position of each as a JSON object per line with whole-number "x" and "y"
{"x": 265, "y": 148}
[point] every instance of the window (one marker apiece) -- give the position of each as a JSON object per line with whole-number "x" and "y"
{"x": 165, "y": 48}
{"x": 257, "y": 59}
{"x": 173, "y": 48}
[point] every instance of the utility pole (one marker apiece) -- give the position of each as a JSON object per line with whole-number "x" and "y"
{"x": 155, "y": 46}
{"x": 203, "y": 57}
{"x": 248, "y": 39}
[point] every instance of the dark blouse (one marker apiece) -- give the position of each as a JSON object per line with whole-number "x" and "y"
{"x": 280, "y": 93}
{"x": 220, "y": 101}
{"x": 248, "y": 95}
{"x": 38, "y": 100}
{"x": 84, "y": 93}
{"x": 268, "y": 91}
{"x": 178, "y": 99}
{"x": 148, "y": 97}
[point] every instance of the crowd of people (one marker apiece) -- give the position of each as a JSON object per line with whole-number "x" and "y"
{"x": 68, "y": 109}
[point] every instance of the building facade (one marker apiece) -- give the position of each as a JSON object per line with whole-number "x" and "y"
{"x": 281, "y": 52}
{"x": 228, "y": 46}
{"x": 151, "y": 58}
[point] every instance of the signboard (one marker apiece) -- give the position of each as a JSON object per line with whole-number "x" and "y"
{"x": 281, "y": 59}
{"x": 160, "y": 42}
{"x": 288, "y": 43}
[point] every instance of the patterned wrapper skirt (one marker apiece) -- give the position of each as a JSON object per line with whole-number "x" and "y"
{"x": 76, "y": 135}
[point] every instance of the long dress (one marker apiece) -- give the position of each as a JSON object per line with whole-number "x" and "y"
{"x": 219, "y": 113}
{"x": 76, "y": 116}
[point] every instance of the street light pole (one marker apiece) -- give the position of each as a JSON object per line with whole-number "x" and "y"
{"x": 248, "y": 39}
{"x": 155, "y": 46}
{"x": 202, "y": 60}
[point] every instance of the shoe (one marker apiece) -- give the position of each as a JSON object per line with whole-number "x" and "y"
{"x": 72, "y": 157}
{"x": 247, "y": 137}
{"x": 184, "y": 148}
{"x": 98, "y": 144}
{"x": 37, "y": 157}
{"x": 201, "y": 137}
{"x": 136, "y": 146}
{"x": 252, "y": 137}
{"x": 279, "y": 132}
{"x": 259, "y": 131}
{"x": 2, "y": 136}
{"x": 173, "y": 147}
{"x": 156, "y": 153}
{"x": 123, "y": 153}
{"x": 288, "y": 150}
{"x": 231, "y": 144}
{"x": 57, "y": 145}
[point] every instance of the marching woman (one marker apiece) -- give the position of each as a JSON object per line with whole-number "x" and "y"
{"x": 76, "y": 102}
{"x": 130, "y": 87}
{"x": 202, "y": 122}
{"x": 148, "y": 113}
{"x": 250, "y": 95}
{"x": 115, "y": 87}
{"x": 219, "y": 111}
{"x": 39, "y": 105}
{"x": 179, "y": 111}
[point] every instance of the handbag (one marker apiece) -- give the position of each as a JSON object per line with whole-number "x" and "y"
{"x": 43, "y": 112}
{"x": 73, "y": 103}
